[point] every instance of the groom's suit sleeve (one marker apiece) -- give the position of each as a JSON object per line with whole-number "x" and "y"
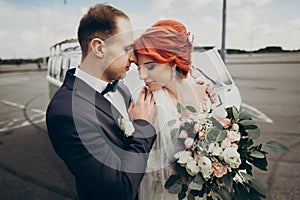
{"x": 108, "y": 172}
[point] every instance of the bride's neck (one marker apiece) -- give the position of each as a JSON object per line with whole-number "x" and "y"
{"x": 175, "y": 87}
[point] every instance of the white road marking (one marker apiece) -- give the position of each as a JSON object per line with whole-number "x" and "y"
{"x": 14, "y": 123}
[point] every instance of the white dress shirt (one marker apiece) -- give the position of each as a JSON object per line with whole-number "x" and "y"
{"x": 115, "y": 98}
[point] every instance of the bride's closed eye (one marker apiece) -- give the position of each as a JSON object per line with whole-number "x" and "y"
{"x": 149, "y": 66}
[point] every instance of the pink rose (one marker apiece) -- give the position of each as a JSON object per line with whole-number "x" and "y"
{"x": 225, "y": 143}
{"x": 189, "y": 142}
{"x": 225, "y": 122}
{"x": 219, "y": 170}
{"x": 183, "y": 134}
{"x": 201, "y": 135}
{"x": 233, "y": 136}
{"x": 234, "y": 145}
{"x": 197, "y": 127}
{"x": 235, "y": 127}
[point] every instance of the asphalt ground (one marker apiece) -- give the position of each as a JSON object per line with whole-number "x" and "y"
{"x": 30, "y": 169}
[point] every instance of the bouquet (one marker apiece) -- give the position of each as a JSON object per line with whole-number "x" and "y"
{"x": 219, "y": 156}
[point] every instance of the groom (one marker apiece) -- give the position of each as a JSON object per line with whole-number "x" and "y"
{"x": 102, "y": 136}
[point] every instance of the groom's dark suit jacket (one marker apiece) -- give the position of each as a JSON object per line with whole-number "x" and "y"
{"x": 84, "y": 130}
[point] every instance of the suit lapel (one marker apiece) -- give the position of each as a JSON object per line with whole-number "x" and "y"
{"x": 84, "y": 91}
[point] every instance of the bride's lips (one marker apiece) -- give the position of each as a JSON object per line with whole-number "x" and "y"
{"x": 148, "y": 83}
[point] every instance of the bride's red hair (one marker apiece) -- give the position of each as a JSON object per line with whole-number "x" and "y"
{"x": 167, "y": 41}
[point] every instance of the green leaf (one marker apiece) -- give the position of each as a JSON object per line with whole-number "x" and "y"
{"x": 180, "y": 108}
{"x": 191, "y": 109}
{"x": 226, "y": 180}
{"x": 245, "y": 115}
{"x": 240, "y": 191}
{"x": 199, "y": 179}
{"x": 171, "y": 180}
{"x": 259, "y": 186}
{"x": 204, "y": 197}
{"x": 174, "y": 133}
{"x": 195, "y": 186}
{"x": 253, "y": 134}
{"x": 257, "y": 154}
{"x": 176, "y": 188}
{"x": 247, "y": 122}
{"x": 260, "y": 163}
{"x": 221, "y": 136}
{"x": 190, "y": 197}
{"x": 225, "y": 194}
{"x": 276, "y": 146}
{"x": 235, "y": 113}
{"x": 232, "y": 113}
{"x": 214, "y": 197}
{"x": 216, "y": 123}
{"x": 212, "y": 135}
{"x": 248, "y": 177}
{"x": 172, "y": 122}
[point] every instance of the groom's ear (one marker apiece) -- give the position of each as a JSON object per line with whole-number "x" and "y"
{"x": 98, "y": 47}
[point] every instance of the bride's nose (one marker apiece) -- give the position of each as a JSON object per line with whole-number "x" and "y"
{"x": 143, "y": 73}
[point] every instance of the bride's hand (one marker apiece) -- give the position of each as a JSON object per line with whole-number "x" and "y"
{"x": 144, "y": 108}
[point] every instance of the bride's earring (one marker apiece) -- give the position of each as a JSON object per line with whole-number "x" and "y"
{"x": 173, "y": 72}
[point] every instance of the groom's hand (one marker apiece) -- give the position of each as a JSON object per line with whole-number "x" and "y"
{"x": 144, "y": 108}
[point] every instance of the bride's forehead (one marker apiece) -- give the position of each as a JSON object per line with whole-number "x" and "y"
{"x": 142, "y": 59}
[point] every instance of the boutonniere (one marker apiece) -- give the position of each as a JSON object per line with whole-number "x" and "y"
{"x": 126, "y": 126}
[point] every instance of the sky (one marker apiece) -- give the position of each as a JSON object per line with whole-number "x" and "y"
{"x": 30, "y": 27}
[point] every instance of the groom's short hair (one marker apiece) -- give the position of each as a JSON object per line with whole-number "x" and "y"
{"x": 98, "y": 22}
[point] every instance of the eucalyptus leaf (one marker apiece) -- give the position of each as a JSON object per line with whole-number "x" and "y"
{"x": 235, "y": 113}
{"x": 221, "y": 136}
{"x": 259, "y": 186}
{"x": 257, "y": 154}
{"x": 204, "y": 197}
{"x": 191, "y": 109}
{"x": 176, "y": 188}
{"x": 246, "y": 115}
{"x": 199, "y": 179}
{"x": 276, "y": 146}
{"x": 248, "y": 177}
{"x": 216, "y": 123}
{"x": 254, "y": 133}
{"x": 180, "y": 108}
{"x": 195, "y": 186}
{"x": 171, "y": 180}
{"x": 212, "y": 135}
{"x": 190, "y": 197}
{"x": 247, "y": 122}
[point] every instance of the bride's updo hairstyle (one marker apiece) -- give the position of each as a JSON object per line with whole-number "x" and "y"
{"x": 167, "y": 41}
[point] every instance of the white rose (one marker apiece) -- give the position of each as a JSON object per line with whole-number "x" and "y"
{"x": 233, "y": 136}
{"x": 192, "y": 168}
{"x": 126, "y": 126}
{"x": 205, "y": 166}
{"x": 215, "y": 149}
{"x": 226, "y": 143}
{"x": 185, "y": 157}
{"x": 188, "y": 142}
{"x": 232, "y": 157}
{"x": 235, "y": 127}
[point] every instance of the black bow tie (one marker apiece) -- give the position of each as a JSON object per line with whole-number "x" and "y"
{"x": 111, "y": 87}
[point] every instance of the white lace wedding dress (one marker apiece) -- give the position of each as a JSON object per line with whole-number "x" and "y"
{"x": 158, "y": 168}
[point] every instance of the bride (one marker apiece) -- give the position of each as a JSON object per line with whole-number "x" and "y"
{"x": 164, "y": 64}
